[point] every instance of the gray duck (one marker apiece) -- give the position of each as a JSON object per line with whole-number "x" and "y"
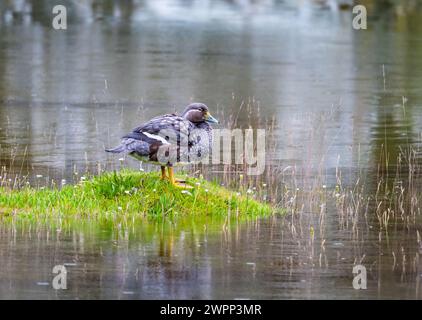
{"x": 171, "y": 140}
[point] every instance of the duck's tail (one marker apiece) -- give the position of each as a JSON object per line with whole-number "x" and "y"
{"x": 118, "y": 149}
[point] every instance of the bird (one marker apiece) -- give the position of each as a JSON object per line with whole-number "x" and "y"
{"x": 171, "y": 140}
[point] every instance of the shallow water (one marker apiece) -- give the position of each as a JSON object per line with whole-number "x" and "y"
{"x": 336, "y": 95}
{"x": 186, "y": 260}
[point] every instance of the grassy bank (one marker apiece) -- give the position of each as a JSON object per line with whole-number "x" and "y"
{"x": 129, "y": 194}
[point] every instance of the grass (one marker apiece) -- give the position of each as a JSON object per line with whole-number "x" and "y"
{"x": 129, "y": 195}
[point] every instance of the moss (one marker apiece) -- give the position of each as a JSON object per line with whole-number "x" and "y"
{"x": 129, "y": 195}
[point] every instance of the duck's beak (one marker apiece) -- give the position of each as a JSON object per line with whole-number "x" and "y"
{"x": 209, "y": 118}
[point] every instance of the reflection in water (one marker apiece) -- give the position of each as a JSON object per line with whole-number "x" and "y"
{"x": 185, "y": 260}
{"x": 340, "y": 100}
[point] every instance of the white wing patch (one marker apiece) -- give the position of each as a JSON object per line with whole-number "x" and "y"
{"x": 155, "y": 137}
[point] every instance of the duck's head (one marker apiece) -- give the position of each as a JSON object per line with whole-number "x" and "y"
{"x": 197, "y": 113}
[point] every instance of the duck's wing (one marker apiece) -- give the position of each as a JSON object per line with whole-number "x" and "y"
{"x": 139, "y": 144}
{"x": 169, "y": 127}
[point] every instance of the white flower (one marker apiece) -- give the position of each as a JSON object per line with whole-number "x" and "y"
{"x": 198, "y": 184}
{"x": 206, "y": 190}
{"x": 264, "y": 185}
{"x": 83, "y": 178}
{"x": 127, "y": 191}
{"x": 119, "y": 208}
{"x": 249, "y": 191}
{"x": 186, "y": 192}
{"x": 39, "y": 175}
{"x": 121, "y": 159}
{"x": 324, "y": 186}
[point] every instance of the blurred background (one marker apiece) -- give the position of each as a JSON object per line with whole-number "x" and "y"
{"x": 66, "y": 95}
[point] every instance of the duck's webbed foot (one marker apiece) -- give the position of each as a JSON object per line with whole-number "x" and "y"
{"x": 182, "y": 185}
{"x": 177, "y": 182}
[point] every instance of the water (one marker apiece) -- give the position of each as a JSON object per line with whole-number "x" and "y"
{"x": 337, "y": 98}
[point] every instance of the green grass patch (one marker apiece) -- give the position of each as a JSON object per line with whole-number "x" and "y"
{"x": 127, "y": 195}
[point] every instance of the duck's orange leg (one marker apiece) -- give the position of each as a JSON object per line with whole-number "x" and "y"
{"x": 171, "y": 176}
{"x": 163, "y": 173}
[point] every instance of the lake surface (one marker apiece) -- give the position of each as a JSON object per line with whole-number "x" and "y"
{"x": 338, "y": 97}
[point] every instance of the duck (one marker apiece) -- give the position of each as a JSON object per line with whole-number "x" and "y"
{"x": 171, "y": 140}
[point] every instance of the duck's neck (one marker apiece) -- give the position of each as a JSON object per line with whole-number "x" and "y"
{"x": 203, "y": 125}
